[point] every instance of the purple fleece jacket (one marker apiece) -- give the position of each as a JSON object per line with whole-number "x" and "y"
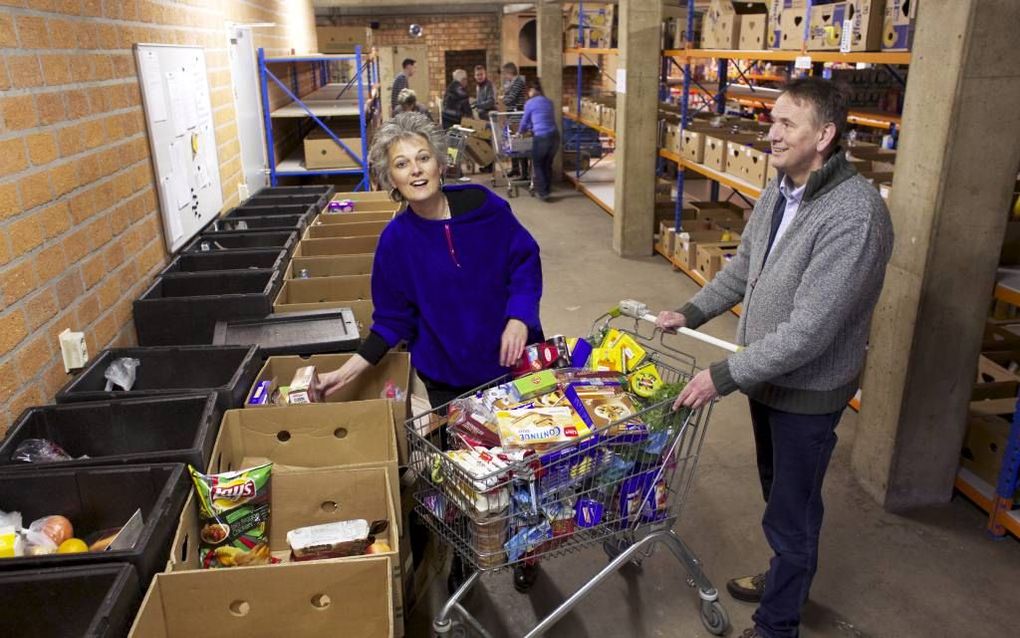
{"x": 448, "y": 287}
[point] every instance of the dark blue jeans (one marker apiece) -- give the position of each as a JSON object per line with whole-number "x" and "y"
{"x": 543, "y": 151}
{"x": 793, "y": 454}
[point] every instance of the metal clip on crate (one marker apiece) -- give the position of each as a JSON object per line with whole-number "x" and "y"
{"x": 622, "y": 487}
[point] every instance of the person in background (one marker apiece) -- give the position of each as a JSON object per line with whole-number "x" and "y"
{"x": 456, "y": 276}
{"x": 514, "y": 96}
{"x": 456, "y": 102}
{"x": 407, "y": 102}
{"x": 400, "y": 83}
{"x": 808, "y": 274}
{"x": 540, "y": 118}
{"x": 485, "y": 97}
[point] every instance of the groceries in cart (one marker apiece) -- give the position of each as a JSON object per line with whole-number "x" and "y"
{"x": 582, "y": 439}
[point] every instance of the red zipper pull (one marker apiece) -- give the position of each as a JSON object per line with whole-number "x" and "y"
{"x": 449, "y": 244}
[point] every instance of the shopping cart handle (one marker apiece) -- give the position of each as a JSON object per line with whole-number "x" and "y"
{"x": 638, "y": 310}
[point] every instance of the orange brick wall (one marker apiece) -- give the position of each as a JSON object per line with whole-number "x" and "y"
{"x": 80, "y": 231}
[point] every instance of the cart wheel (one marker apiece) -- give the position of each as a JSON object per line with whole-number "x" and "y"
{"x": 714, "y": 617}
{"x": 512, "y": 191}
{"x": 453, "y": 629}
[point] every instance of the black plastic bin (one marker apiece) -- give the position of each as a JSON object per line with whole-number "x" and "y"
{"x": 98, "y": 601}
{"x": 262, "y": 210}
{"x": 256, "y": 223}
{"x": 221, "y": 242}
{"x": 149, "y": 430}
{"x": 270, "y": 258}
{"x": 166, "y": 372}
{"x": 97, "y": 499}
{"x": 182, "y": 309}
{"x": 303, "y": 189}
{"x": 269, "y": 199}
{"x": 294, "y": 333}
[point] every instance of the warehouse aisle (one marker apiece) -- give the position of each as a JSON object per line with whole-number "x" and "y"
{"x": 874, "y": 565}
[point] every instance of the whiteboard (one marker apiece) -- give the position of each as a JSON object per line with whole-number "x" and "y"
{"x": 182, "y": 138}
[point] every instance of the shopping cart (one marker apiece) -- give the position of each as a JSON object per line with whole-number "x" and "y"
{"x": 621, "y": 487}
{"x": 456, "y": 138}
{"x": 509, "y": 145}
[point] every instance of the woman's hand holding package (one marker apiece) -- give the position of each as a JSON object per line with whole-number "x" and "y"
{"x": 515, "y": 337}
{"x": 330, "y": 382}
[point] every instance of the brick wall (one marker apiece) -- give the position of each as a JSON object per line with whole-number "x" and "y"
{"x": 80, "y": 231}
{"x": 442, "y": 33}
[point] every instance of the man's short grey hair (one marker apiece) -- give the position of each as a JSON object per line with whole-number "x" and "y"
{"x": 459, "y": 75}
{"x": 406, "y": 96}
{"x": 403, "y": 126}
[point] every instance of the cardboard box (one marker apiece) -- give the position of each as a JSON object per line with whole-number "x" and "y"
{"x": 480, "y": 127}
{"x": 362, "y": 309}
{"x": 771, "y": 172}
{"x": 394, "y": 367}
{"x": 713, "y": 258}
{"x": 320, "y": 289}
{"x": 667, "y": 237}
{"x": 692, "y": 143}
{"x": 716, "y": 146}
{"x": 776, "y": 10}
{"x": 364, "y": 207}
{"x": 480, "y": 151}
{"x": 735, "y": 159}
{"x": 721, "y": 28}
{"x": 754, "y": 163}
{"x": 885, "y": 190}
{"x": 302, "y": 600}
{"x": 363, "y": 196}
{"x": 335, "y": 266}
{"x": 688, "y": 242}
{"x": 597, "y": 15}
{"x": 609, "y": 117}
{"x": 725, "y": 215}
{"x": 364, "y": 216}
{"x": 984, "y": 448}
{"x": 343, "y": 39}
{"x": 321, "y": 151}
{"x": 336, "y": 246}
{"x": 753, "y": 30}
{"x": 791, "y": 27}
{"x": 672, "y": 138}
{"x": 866, "y": 17}
{"x": 826, "y": 24}
{"x": 350, "y": 229}
{"x": 898, "y": 25}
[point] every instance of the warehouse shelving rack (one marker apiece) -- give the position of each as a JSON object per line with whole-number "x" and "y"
{"x": 322, "y": 103}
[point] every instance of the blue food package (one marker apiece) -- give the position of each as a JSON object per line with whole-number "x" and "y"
{"x": 589, "y": 512}
{"x": 527, "y": 540}
{"x": 644, "y": 496}
{"x": 260, "y": 395}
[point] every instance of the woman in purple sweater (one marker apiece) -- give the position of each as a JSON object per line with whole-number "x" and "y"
{"x": 455, "y": 275}
{"x": 540, "y": 118}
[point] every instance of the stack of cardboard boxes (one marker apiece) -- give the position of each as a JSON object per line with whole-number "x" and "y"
{"x": 591, "y": 29}
{"x": 709, "y": 235}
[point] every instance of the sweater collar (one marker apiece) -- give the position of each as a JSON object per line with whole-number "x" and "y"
{"x": 835, "y": 171}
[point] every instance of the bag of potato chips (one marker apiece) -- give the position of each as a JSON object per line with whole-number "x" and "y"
{"x": 233, "y": 509}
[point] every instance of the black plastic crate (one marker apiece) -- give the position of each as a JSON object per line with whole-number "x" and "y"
{"x": 149, "y": 430}
{"x": 294, "y": 333}
{"x": 262, "y": 210}
{"x": 166, "y": 372}
{"x": 98, "y": 499}
{"x": 257, "y": 223}
{"x": 182, "y": 309}
{"x": 312, "y": 199}
{"x": 98, "y": 601}
{"x": 324, "y": 193}
{"x": 270, "y": 258}
{"x": 220, "y": 242}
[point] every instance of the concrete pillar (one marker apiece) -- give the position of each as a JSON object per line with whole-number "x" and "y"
{"x": 550, "y": 64}
{"x": 636, "y": 124}
{"x": 957, "y": 163}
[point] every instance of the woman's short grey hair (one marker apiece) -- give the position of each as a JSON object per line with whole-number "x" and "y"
{"x": 407, "y": 96}
{"x": 403, "y": 126}
{"x": 460, "y": 75}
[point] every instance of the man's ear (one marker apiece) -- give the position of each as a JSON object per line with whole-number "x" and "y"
{"x": 826, "y": 136}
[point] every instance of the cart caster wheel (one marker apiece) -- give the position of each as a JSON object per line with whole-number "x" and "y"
{"x": 512, "y": 191}
{"x": 449, "y": 629}
{"x": 714, "y": 617}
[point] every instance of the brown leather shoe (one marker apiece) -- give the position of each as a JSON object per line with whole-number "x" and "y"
{"x": 748, "y": 589}
{"x": 751, "y": 632}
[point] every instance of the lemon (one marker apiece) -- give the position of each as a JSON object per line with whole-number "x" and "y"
{"x": 72, "y": 546}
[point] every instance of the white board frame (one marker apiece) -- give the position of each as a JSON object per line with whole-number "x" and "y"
{"x": 178, "y": 116}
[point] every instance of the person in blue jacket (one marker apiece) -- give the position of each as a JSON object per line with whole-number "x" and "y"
{"x": 540, "y": 118}
{"x": 456, "y": 276}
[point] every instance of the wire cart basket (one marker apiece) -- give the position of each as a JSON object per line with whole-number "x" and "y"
{"x": 456, "y": 139}
{"x": 622, "y": 486}
{"x": 509, "y": 145}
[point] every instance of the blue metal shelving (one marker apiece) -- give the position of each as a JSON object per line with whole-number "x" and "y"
{"x": 366, "y": 78}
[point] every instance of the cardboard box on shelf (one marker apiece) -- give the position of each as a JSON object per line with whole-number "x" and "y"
{"x": 865, "y": 20}
{"x": 882, "y": 160}
{"x": 898, "y": 25}
{"x": 688, "y": 242}
{"x": 596, "y": 14}
{"x": 320, "y": 289}
{"x": 754, "y": 163}
{"x": 344, "y": 39}
{"x": 394, "y": 368}
{"x": 791, "y": 27}
{"x": 984, "y": 448}
{"x": 753, "y": 30}
{"x": 721, "y": 26}
{"x": 825, "y": 29}
{"x": 722, "y": 214}
{"x": 672, "y": 139}
{"x": 776, "y": 10}
{"x": 667, "y": 237}
{"x": 609, "y": 117}
{"x": 665, "y": 211}
{"x": 679, "y": 31}
{"x": 321, "y": 151}
{"x": 348, "y": 598}
{"x": 713, "y": 258}
{"x": 716, "y": 145}
{"x": 692, "y": 142}
{"x": 600, "y": 38}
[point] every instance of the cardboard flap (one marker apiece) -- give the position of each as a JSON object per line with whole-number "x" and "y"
{"x": 319, "y": 289}
{"x": 348, "y": 229}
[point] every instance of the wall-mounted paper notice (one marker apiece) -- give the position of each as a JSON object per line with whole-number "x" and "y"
{"x": 172, "y": 216}
{"x": 181, "y": 194}
{"x": 155, "y": 99}
{"x": 173, "y": 87}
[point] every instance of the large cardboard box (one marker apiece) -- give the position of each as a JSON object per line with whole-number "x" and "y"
{"x": 692, "y": 142}
{"x": 716, "y": 146}
{"x": 776, "y": 10}
{"x": 713, "y": 258}
{"x": 395, "y": 368}
{"x": 596, "y": 14}
{"x": 362, "y": 309}
{"x": 826, "y": 24}
{"x": 866, "y": 17}
{"x": 480, "y": 150}
{"x": 753, "y": 30}
{"x": 336, "y": 246}
{"x": 984, "y": 448}
{"x": 721, "y": 28}
{"x": 754, "y": 163}
{"x": 687, "y": 243}
{"x": 300, "y": 600}
{"x": 320, "y": 289}
{"x": 344, "y": 39}
{"x": 350, "y": 229}
{"x": 791, "y": 27}
{"x": 480, "y": 127}
{"x": 898, "y": 25}
{"x": 321, "y": 151}
{"x": 331, "y": 266}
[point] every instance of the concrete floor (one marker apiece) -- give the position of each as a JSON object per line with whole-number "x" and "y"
{"x": 930, "y": 573}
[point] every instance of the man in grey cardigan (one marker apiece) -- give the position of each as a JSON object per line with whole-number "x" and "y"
{"x": 808, "y": 273}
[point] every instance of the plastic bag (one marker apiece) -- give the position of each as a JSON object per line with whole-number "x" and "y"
{"x": 122, "y": 373}
{"x": 391, "y": 391}
{"x": 40, "y": 451}
{"x": 11, "y": 542}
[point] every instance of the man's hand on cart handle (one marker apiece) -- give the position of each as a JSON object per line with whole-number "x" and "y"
{"x": 669, "y": 321}
{"x": 698, "y": 392}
